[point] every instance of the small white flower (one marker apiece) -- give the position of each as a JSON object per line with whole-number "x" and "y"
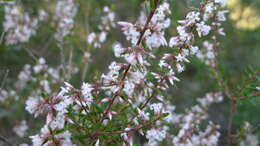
{"x": 118, "y": 49}
{"x": 21, "y": 128}
{"x": 102, "y": 36}
{"x": 194, "y": 49}
{"x": 86, "y": 92}
{"x": 156, "y": 107}
{"x": 221, "y": 2}
{"x": 155, "y": 135}
{"x": 179, "y": 67}
{"x": 131, "y": 58}
{"x": 171, "y": 77}
{"x": 32, "y": 105}
{"x": 143, "y": 115}
{"x": 37, "y": 140}
{"x": 221, "y": 15}
{"x": 91, "y": 37}
{"x": 174, "y": 41}
{"x": 203, "y": 29}
{"x": 192, "y": 17}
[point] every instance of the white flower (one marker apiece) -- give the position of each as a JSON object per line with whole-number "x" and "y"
{"x": 57, "y": 122}
{"x": 174, "y": 41}
{"x": 62, "y": 105}
{"x": 221, "y": 2}
{"x": 210, "y": 55}
{"x": 194, "y": 50}
{"x": 129, "y": 88}
{"x": 24, "y": 144}
{"x": 162, "y": 63}
{"x": 32, "y": 105}
{"x": 209, "y": 8}
{"x": 91, "y": 37}
{"x": 183, "y": 35}
{"x": 118, "y": 49}
{"x": 156, "y": 107}
{"x": 130, "y": 31}
{"x": 21, "y": 128}
{"x": 18, "y": 24}
{"x": 45, "y": 85}
{"x": 37, "y": 140}
{"x": 192, "y": 17}
{"x": 221, "y": 15}
{"x": 138, "y": 76}
{"x": 41, "y": 61}
{"x": 251, "y": 140}
{"x": 171, "y": 77}
{"x": 209, "y": 46}
{"x": 155, "y": 135}
{"x": 131, "y": 58}
{"x": 156, "y": 40}
{"x": 202, "y": 29}
{"x": 143, "y": 115}
{"x": 102, "y": 36}
{"x": 64, "y": 139}
{"x": 86, "y": 92}
{"x": 112, "y": 74}
{"x": 180, "y": 58}
{"x": 179, "y": 67}
{"x": 65, "y": 12}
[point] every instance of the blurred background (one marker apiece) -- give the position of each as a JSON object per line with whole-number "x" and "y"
{"x": 239, "y": 53}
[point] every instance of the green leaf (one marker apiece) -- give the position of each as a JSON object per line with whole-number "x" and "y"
{"x": 152, "y": 6}
{"x": 146, "y": 9}
{"x": 165, "y": 115}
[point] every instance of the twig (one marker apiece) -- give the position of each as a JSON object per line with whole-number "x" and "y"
{"x": 31, "y": 54}
{"x": 129, "y": 65}
{"x": 4, "y": 79}
{"x": 5, "y": 141}
{"x": 149, "y": 18}
{"x": 232, "y": 112}
{"x": 2, "y": 37}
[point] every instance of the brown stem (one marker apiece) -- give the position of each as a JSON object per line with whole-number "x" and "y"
{"x": 5, "y": 141}
{"x": 232, "y": 112}
{"x": 129, "y": 65}
{"x": 152, "y": 11}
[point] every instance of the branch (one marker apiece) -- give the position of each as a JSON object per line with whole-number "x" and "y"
{"x": 129, "y": 65}
{"x": 5, "y": 141}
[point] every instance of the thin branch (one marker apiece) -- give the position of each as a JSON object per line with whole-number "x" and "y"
{"x": 149, "y": 18}
{"x": 129, "y": 65}
{"x": 4, "y": 79}
{"x": 31, "y": 54}
{"x": 2, "y": 37}
{"x": 5, "y": 141}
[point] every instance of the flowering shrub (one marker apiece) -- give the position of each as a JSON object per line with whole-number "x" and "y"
{"x": 129, "y": 103}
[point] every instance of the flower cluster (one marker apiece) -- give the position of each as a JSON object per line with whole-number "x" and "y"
{"x": 18, "y": 24}
{"x": 189, "y": 123}
{"x": 153, "y": 36}
{"x": 21, "y": 128}
{"x": 65, "y": 13}
{"x": 209, "y": 51}
{"x": 56, "y": 109}
{"x": 107, "y": 22}
{"x": 250, "y": 138}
